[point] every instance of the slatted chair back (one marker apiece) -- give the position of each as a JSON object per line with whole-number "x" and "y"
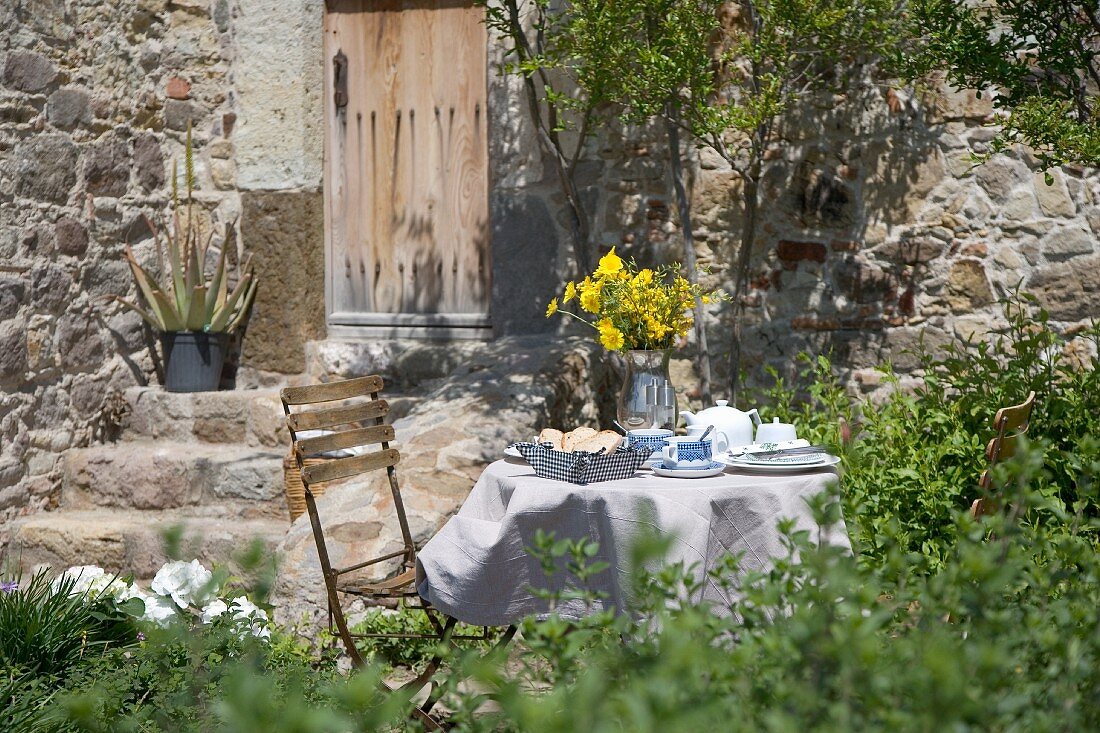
{"x": 351, "y": 414}
{"x": 1009, "y": 425}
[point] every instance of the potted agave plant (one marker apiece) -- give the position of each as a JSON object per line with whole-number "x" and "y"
{"x": 197, "y": 306}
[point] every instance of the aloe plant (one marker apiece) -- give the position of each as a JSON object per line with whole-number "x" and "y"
{"x": 190, "y": 300}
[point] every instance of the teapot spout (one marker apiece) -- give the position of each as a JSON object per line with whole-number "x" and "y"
{"x": 689, "y": 416}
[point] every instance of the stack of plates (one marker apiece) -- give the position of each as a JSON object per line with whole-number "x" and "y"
{"x": 780, "y": 463}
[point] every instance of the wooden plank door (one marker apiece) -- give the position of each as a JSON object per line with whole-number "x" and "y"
{"x": 406, "y": 167}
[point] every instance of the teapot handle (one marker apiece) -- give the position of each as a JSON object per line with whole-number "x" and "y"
{"x": 754, "y": 416}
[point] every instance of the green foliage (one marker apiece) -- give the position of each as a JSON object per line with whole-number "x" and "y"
{"x": 46, "y": 630}
{"x": 1036, "y": 58}
{"x": 936, "y": 623}
{"x": 191, "y": 299}
{"x": 917, "y": 453}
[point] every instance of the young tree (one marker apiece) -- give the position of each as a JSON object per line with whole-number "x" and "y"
{"x": 532, "y": 28}
{"x": 643, "y": 57}
{"x": 725, "y": 74}
{"x": 1038, "y": 59}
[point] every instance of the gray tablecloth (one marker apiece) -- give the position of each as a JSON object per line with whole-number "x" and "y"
{"x": 478, "y": 570}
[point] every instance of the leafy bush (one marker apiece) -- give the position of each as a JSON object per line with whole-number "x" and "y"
{"x": 917, "y": 454}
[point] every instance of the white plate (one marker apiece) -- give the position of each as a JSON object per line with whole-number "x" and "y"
{"x": 714, "y": 470}
{"x": 512, "y": 453}
{"x": 823, "y": 460}
{"x": 762, "y": 447}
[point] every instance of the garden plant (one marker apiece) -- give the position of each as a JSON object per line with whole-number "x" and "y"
{"x": 936, "y": 622}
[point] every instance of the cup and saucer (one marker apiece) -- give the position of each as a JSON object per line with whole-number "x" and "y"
{"x": 688, "y": 458}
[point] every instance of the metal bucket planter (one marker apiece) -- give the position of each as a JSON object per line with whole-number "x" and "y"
{"x": 193, "y": 360}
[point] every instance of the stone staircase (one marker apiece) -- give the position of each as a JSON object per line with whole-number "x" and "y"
{"x": 205, "y": 467}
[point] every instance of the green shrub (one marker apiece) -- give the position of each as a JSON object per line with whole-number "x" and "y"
{"x": 916, "y": 455}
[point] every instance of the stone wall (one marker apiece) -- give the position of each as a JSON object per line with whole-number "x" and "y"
{"x": 877, "y": 229}
{"x": 95, "y": 99}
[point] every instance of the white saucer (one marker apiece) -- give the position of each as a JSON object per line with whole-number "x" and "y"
{"x": 714, "y": 470}
{"x": 783, "y": 464}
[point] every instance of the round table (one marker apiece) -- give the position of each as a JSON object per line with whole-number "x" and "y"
{"x": 477, "y": 568}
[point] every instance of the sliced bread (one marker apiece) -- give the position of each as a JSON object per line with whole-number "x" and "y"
{"x": 607, "y": 440}
{"x": 574, "y": 437}
{"x": 553, "y": 436}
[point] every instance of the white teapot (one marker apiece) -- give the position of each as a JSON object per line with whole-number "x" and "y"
{"x": 732, "y": 427}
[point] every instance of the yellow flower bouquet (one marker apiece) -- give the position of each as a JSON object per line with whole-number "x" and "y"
{"x": 634, "y": 308}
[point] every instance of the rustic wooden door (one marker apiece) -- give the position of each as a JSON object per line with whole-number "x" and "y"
{"x": 406, "y": 168}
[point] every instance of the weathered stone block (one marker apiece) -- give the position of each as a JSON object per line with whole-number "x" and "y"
{"x": 107, "y": 277}
{"x": 968, "y": 286}
{"x": 68, "y": 107}
{"x": 178, "y": 88}
{"x": 79, "y": 342}
{"x": 912, "y": 250}
{"x": 70, "y": 236}
{"x": 28, "y": 71}
{"x": 50, "y": 283}
{"x": 148, "y": 162}
{"x": 13, "y": 351}
{"x": 11, "y": 295}
{"x": 1054, "y": 199}
{"x": 107, "y": 166}
{"x": 1062, "y": 244}
{"x": 44, "y": 168}
{"x": 1000, "y": 176}
{"x": 285, "y": 232}
{"x": 1069, "y": 290}
{"x": 178, "y": 113}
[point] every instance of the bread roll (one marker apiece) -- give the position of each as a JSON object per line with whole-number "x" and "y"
{"x": 550, "y": 435}
{"x": 572, "y": 438}
{"x": 608, "y": 440}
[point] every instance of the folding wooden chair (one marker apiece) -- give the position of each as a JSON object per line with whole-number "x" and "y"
{"x": 1009, "y": 424}
{"x": 351, "y": 416}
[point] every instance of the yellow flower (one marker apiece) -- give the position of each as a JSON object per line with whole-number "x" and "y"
{"x": 644, "y": 277}
{"x": 611, "y": 338}
{"x": 570, "y": 292}
{"x": 590, "y": 300}
{"x": 552, "y": 308}
{"x": 610, "y": 265}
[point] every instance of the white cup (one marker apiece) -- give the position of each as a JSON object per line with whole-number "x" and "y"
{"x": 775, "y": 432}
{"x": 717, "y": 438}
{"x": 688, "y": 453}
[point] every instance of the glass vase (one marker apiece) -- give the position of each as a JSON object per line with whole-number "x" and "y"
{"x": 647, "y": 399}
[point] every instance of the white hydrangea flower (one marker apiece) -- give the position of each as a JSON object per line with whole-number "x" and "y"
{"x": 84, "y": 575}
{"x": 158, "y": 609}
{"x": 110, "y": 587}
{"x": 216, "y": 608}
{"x": 254, "y": 618}
{"x": 186, "y": 583}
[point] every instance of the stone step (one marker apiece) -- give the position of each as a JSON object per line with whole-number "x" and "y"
{"x": 230, "y": 480}
{"x": 130, "y": 541}
{"x": 251, "y": 417}
{"x": 245, "y": 417}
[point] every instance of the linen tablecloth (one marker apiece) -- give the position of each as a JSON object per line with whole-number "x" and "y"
{"x": 478, "y": 570}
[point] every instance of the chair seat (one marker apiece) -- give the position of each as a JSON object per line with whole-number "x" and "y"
{"x": 399, "y": 585}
